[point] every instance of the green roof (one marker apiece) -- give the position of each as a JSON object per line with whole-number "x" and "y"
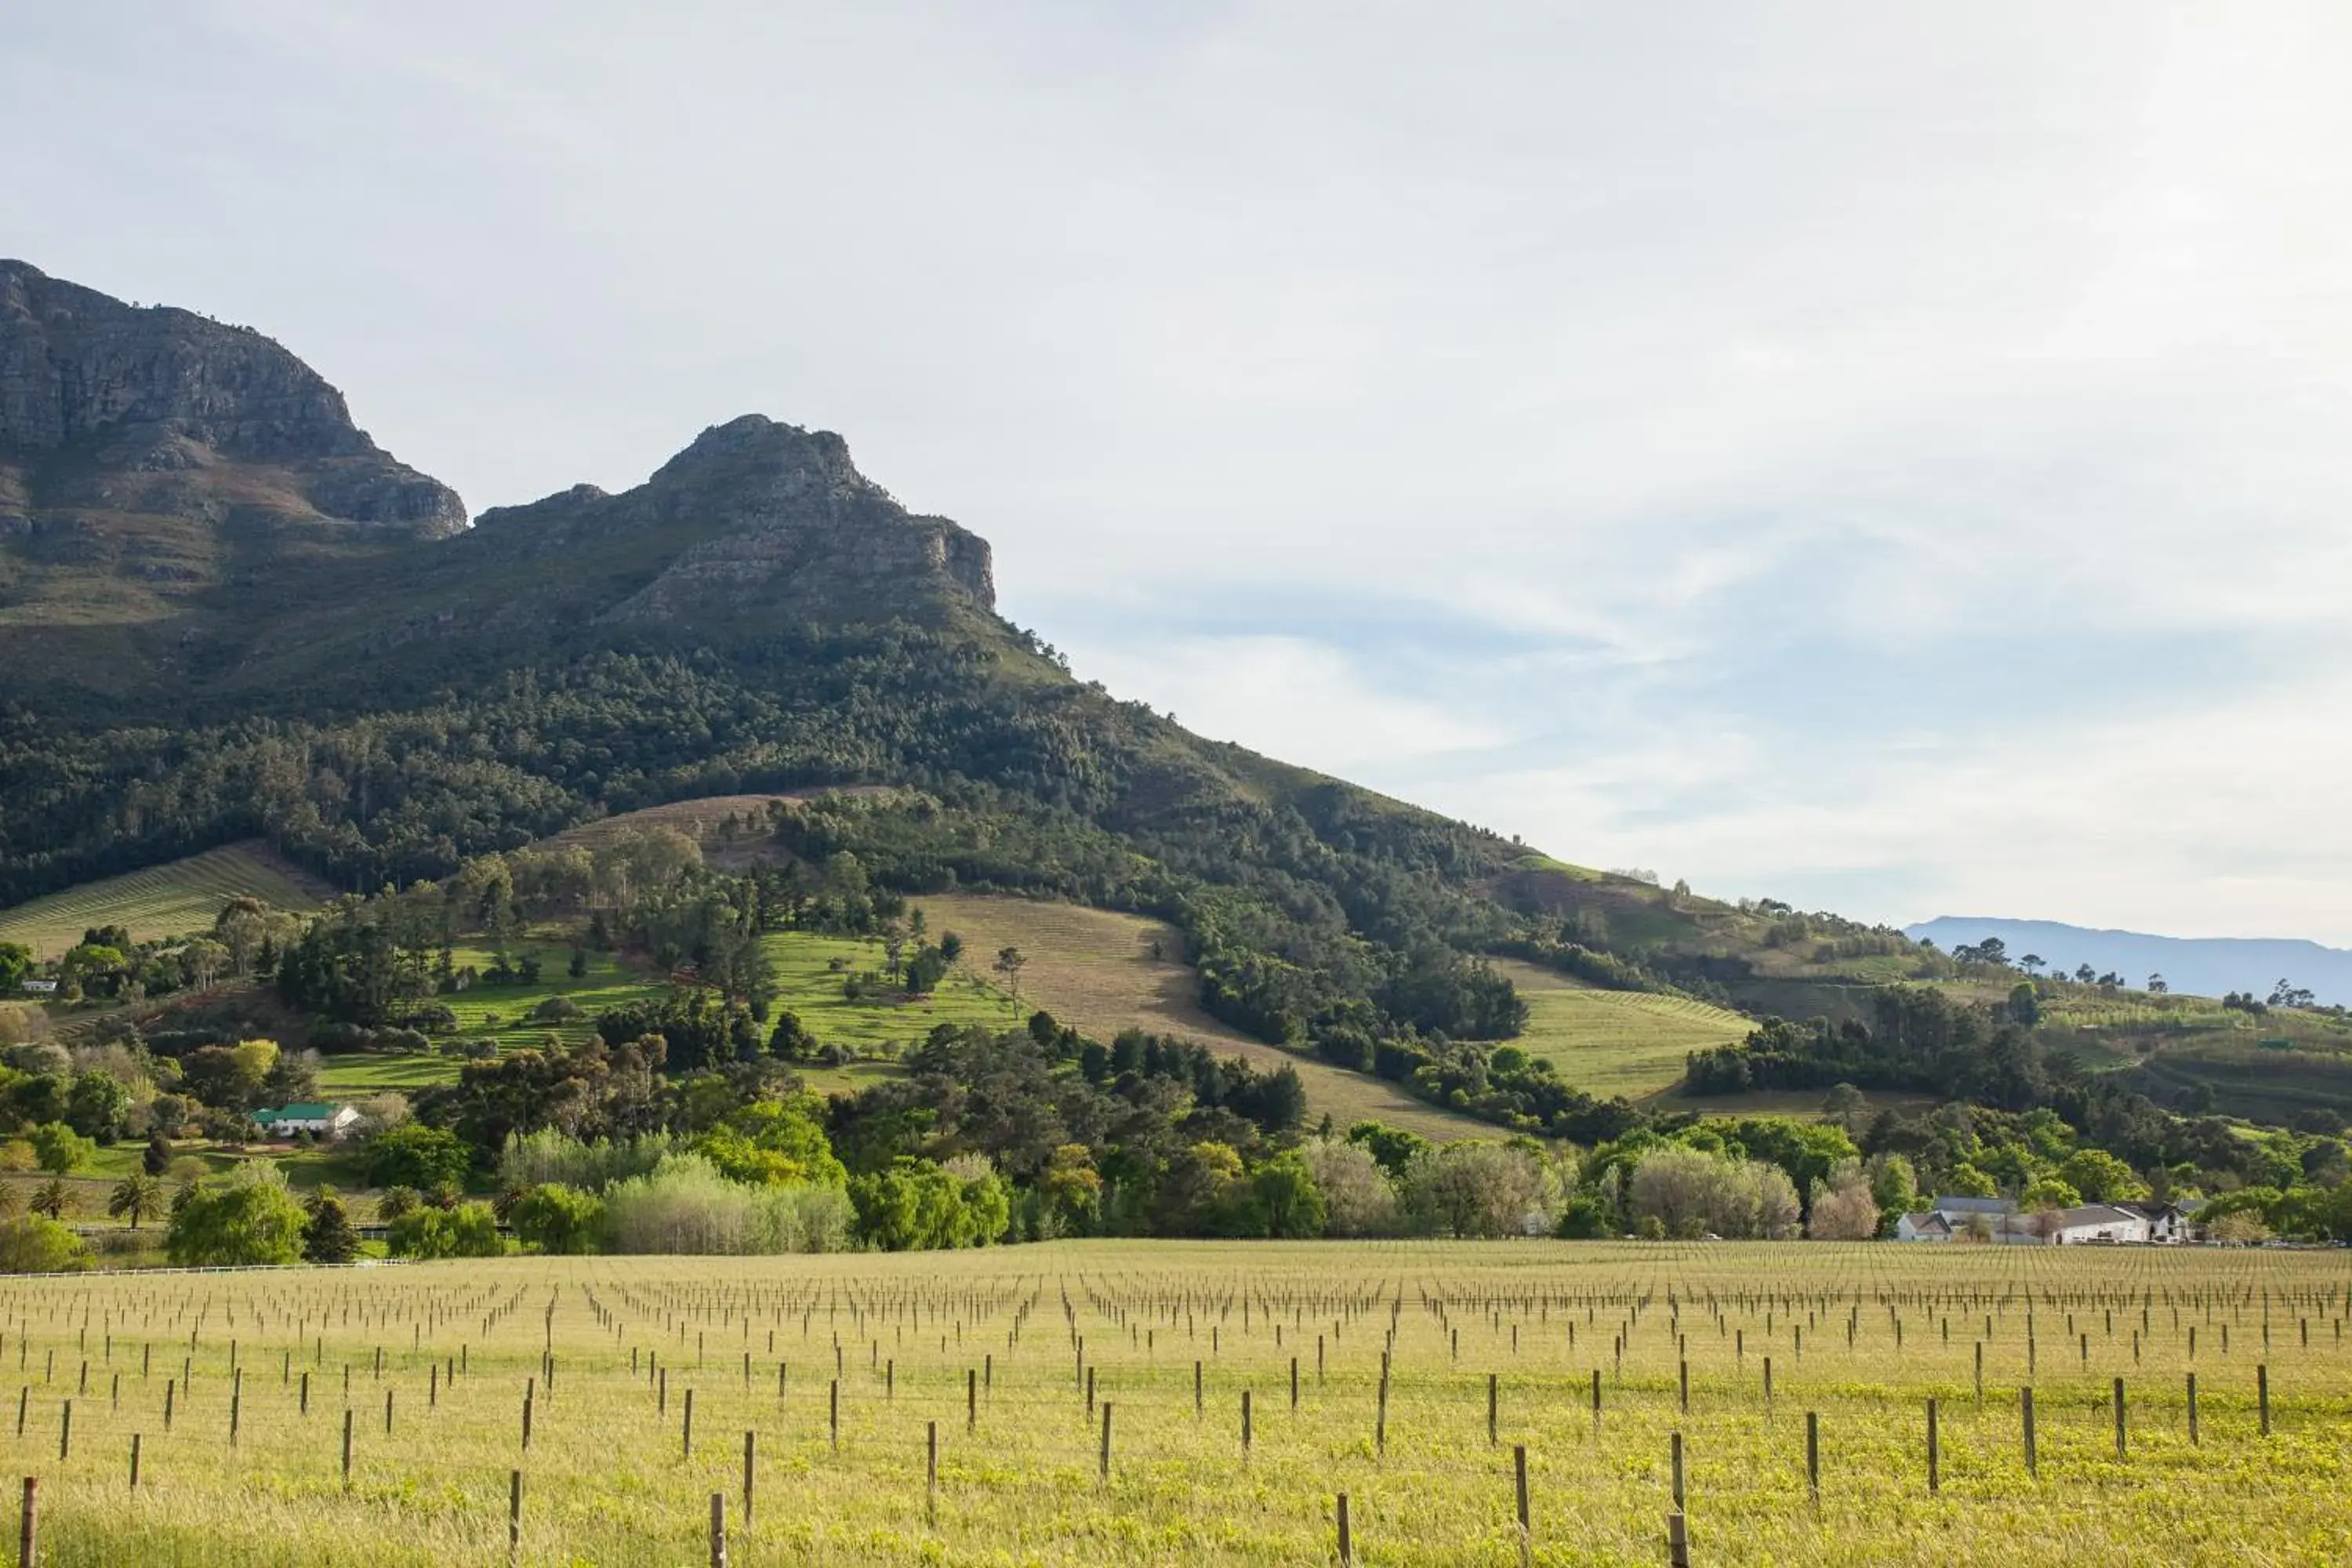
{"x": 307, "y": 1113}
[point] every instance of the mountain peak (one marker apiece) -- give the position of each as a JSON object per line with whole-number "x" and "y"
{"x": 96, "y": 396}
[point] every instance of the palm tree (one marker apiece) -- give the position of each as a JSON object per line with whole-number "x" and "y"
{"x": 136, "y": 1198}
{"x": 53, "y": 1198}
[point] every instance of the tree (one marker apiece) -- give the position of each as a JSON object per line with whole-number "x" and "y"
{"x": 1010, "y": 961}
{"x": 2049, "y": 1192}
{"x": 415, "y": 1156}
{"x": 1358, "y": 1199}
{"x": 1844, "y": 1208}
{"x": 468, "y": 1230}
{"x": 1473, "y": 1189}
{"x": 60, "y": 1149}
{"x": 53, "y": 1198}
{"x": 157, "y": 1157}
{"x": 1286, "y": 1198}
{"x": 96, "y": 1105}
{"x": 250, "y": 1218}
{"x": 2157, "y": 985}
{"x": 31, "y": 1245}
{"x": 327, "y": 1234}
{"x": 2024, "y": 1005}
{"x": 396, "y": 1201}
{"x": 2032, "y": 964}
{"x": 136, "y": 1198}
{"x": 2101, "y": 1177}
{"x": 556, "y": 1218}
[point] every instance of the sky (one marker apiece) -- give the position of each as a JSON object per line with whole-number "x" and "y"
{"x": 1889, "y": 459}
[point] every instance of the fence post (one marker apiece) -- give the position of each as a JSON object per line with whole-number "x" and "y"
{"x": 2192, "y": 1410}
{"x": 347, "y": 1446}
{"x": 718, "y": 1529}
{"x": 1677, "y": 1541}
{"x": 29, "y": 1540}
{"x": 514, "y": 1515}
{"x": 1347, "y": 1539}
{"x": 1245, "y": 1422}
{"x": 1813, "y": 1456}
{"x": 1934, "y": 1453}
{"x": 1106, "y": 1440}
{"x": 931, "y": 1471}
{"x": 2263, "y": 1395}
{"x": 833, "y": 1402}
{"x": 1519, "y": 1478}
{"x": 750, "y": 1463}
{"x": 65, "y": 1433}
{"x": 2025, "y": 1408}
{"x": 2119, "y": 1419}
{"x": 134, "y": 1461}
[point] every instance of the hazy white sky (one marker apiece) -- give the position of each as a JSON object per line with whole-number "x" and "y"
{"x": 1893, "y": 459}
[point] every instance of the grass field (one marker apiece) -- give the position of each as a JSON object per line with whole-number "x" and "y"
{"x": 173, "y": 899}
{"x": 1617, "y": 1042}
{"x": 1487, "y": 1349}
{"x": 1097, "y": 969}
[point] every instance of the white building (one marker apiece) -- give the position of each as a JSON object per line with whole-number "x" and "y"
{"x": 320, "y": 1121}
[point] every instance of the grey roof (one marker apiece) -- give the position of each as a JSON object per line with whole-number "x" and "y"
{"x": 1976, "y": 1205}
{"x": 1924, "y": 1221}
{"x": 2096, "y": 1214}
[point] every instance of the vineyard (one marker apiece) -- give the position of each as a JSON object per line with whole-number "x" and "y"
{"x": 1391, "y": 1403}
{"x": 173, "y": 899}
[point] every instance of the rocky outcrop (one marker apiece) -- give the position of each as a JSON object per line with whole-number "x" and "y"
{"x": 769, "y": 521}
{"x": 96, "y": 396}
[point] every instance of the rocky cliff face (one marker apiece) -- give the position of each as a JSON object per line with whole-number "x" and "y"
{"x": 185, "y": 508}
{"x": 98, "y": 401}
{"x": 769, "y": 521}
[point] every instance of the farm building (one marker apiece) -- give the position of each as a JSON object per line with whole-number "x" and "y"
{"x": 319, "y": 1120}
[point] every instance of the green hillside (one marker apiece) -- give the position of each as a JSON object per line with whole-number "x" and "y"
{"x": 174, "y": 898}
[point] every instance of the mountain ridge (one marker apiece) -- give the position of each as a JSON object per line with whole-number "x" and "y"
{"x": 2203, "y": 967}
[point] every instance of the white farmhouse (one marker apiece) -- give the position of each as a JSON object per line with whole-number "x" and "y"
{"x": 318, "y": 1120}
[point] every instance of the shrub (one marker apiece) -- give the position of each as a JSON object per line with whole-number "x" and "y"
{"x": 31, "y": 1245}
{"x": 556, "y": 1010}
{"x": 685, "y": 1206}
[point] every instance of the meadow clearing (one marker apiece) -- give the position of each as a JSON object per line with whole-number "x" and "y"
{"x": 1134, "y": 1403}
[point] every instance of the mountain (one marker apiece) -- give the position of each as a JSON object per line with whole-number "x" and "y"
{"x": 157, "y": 470}
{"x": 2201, "y": 966}
{"x": 225, "y": 616}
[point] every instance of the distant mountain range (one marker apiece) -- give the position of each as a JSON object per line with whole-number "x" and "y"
{"x": 2202, "y": 966}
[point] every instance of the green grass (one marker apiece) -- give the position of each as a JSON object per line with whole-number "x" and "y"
{"x": 1617, "y": 1042}
{"x": 809, "y": 984}
{"x": 179, "y": 899}
{"x": 610, "y": 1478}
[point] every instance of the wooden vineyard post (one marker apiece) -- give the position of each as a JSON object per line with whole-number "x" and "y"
{"x": 1494, "y": 1400}
{"x": 2262, "y": 1395}
{"x": 1674, "y": 1463}
{"x": 1196, "y": 1388}
{"x": 1520, "y": 1481}
{"x": 751, "y": 1470}
{"x": 931, "y": 1471}
{"x": 1813, "y": 1456}
{"x": 134, "y": 1461}
{"x": 347, "y": 1446}
{"x": 28, "y": 1536}
{"x": 1596, "y": 1398}
{"x": 514, "y": 1515}
{"x": 1767, "y": 1385}
{"x": 1245, "y": 1422}
{"x": 971, "y": 1399}
{"x": 718, "y": 1529}
{"x": 65, "y": 1433}
{"x": 1683, "y": 1377}
{"x": 1347, "y": 1538}
{"x": 1677, "y": 1541}
{"x": 1935, "y": 1452}
{"x": 833, "y": 1413}
{"x": 2120, "y": 1435}
{"x": 2192, "y": 1410}
{"x": 2025, "y": 1410}
{"x": 1105, "y": 1465}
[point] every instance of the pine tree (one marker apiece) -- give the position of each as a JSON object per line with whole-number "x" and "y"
{"x": 328, "y": 1237}
{"x": 158, "y": 1157}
